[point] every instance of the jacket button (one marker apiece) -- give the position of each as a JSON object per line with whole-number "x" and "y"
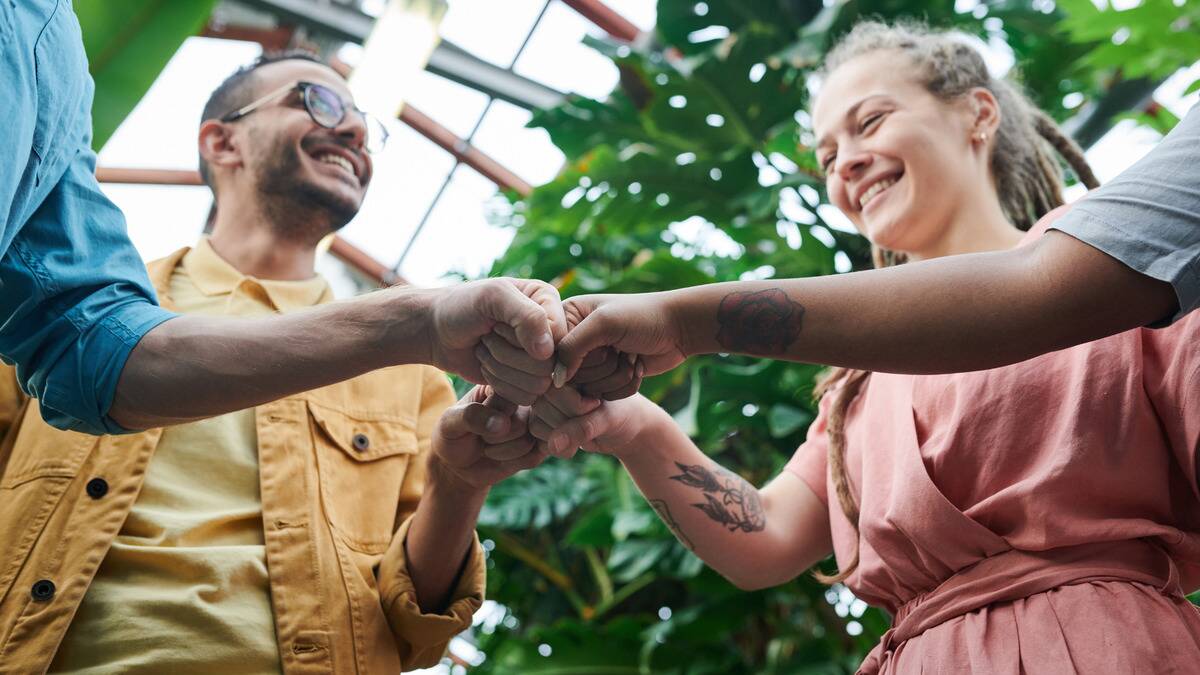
{"x": 97, "y": 488}
{"x": 361, "y": 442}
{"x": 42, "y": 590}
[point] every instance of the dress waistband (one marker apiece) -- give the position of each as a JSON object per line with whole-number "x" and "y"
{"x": 1015, "y": 574}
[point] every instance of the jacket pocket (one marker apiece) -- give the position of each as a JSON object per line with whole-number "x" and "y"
{"x": 362, "y": 459}
{"x": 38, "y": 463}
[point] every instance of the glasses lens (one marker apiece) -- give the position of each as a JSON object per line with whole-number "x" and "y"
{"x": 377, "y": 134}
{"x": 324, "y": 105}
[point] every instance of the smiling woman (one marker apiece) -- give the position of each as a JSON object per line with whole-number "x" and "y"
{"x": 969, "y": 149}
{"x": 937, "y": 158}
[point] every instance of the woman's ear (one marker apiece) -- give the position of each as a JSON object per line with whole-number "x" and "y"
{"x": 217, "y": 145}
{"x": 985, "y": 114}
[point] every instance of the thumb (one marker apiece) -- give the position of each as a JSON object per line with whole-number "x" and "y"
{"x": 470, "y": 418}
{"x": 528, "y": 320}
{"x": 588, "y": 335}
{"x": 578, "y": 431}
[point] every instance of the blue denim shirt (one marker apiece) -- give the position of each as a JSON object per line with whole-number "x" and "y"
{"x": 74, "y": 295}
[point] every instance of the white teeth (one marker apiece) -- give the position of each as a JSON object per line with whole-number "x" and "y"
{"x": 874, "y": 190}
{"x": 337, "y": 160}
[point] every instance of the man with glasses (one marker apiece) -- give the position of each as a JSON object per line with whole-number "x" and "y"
{"x": 79, "y": 318}
{"x": 330, "y": 531}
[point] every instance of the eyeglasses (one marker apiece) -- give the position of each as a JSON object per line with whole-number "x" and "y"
{"x": 325, "y": 107}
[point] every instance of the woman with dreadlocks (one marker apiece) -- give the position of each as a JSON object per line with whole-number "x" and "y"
{"x": 1042, "y": 517}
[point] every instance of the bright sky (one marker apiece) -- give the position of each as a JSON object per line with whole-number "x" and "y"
{"x": 161, "y": 133}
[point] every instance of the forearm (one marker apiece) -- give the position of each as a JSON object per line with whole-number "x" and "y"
{"x": 713, "y": 512}
{"x": 193, "y": 367}
{"x": 953, "y": 314}
{"x": 440, "y": 537}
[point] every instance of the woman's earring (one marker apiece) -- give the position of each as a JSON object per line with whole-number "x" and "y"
{"x": 981, "y": 137}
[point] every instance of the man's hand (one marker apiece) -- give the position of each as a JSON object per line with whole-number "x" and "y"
{"x": 462, "y": 315}
{"x": 476, "y": 446}
{"x": 640, "y": 324}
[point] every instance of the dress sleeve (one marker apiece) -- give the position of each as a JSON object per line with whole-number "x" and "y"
{"x": 810, "y": 463}
{"x": 1171, "y": 372}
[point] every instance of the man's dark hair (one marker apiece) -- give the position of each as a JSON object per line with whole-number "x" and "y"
{"x": 238, "y": 90}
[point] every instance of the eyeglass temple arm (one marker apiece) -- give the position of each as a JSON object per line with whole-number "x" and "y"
{"x": 250, "y": 107}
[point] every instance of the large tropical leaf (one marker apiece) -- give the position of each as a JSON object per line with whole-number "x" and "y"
{"x": 127, "y": 43}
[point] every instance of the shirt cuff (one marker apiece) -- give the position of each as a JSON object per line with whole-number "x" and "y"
{"x": 427, "y": 635}
{"x": 95, "y": 365}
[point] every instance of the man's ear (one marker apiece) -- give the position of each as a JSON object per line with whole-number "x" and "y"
{"x": 985, "y": 112}
{"x": 217, "y": 145}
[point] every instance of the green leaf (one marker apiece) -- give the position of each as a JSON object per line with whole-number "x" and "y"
{"x": 784, "y": 419}
{"x": 128, "y": 43}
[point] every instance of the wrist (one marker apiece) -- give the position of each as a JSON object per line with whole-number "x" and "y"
{"x": 649, "y": 442}
{"x": 445, "y": 483}
{"x": 685, "y": 312}
{"x": 409, "y": 333}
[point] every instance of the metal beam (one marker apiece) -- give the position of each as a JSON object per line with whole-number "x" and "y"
{"x": 606, "y": 18}
{"x": 343, "y": 250}
{"x": 455, "y": 63}
{"x": 448, "y": 60}
{"x": 463, "y": 151}
{"x": 271, "y": 39}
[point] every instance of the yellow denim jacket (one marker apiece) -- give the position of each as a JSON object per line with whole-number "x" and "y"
{"x": 341, "y": 471}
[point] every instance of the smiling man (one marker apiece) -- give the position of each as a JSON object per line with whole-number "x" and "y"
{"x": 330, "y": 531}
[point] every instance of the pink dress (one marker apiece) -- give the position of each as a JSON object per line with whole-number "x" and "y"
{"x": 1038, "y": 518}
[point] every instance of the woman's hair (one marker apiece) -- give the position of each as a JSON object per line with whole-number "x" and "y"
{"x": 1024, "y": 163}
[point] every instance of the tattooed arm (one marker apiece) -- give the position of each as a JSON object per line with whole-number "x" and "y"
{"x": 755, "y": 538}
{"x": 953, "y": 314}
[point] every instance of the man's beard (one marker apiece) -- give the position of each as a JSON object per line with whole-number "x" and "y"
{"x": 296, "y": 206}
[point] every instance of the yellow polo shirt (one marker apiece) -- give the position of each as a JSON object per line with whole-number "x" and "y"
{"x": 190, "y": 561}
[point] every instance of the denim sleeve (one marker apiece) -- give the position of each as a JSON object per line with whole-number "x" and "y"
{"x": 74, "y": 301}
{"x": 1149, "y": 216}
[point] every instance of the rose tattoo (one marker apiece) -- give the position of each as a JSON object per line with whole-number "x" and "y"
{"x": 764, "y": 322}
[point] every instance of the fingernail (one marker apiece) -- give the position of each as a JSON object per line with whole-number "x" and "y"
{"x": 545, "y": 346}
{"x": 640, "y": 368}
{"x": 495, "y": 424}
{"x": 559, "y": 376}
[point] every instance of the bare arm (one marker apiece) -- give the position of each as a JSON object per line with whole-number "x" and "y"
{"x": 192, "y": 367}
{"x": 953, "y": 314}
{"x": 461, "y": 473}
{"x": 755, "y": 538}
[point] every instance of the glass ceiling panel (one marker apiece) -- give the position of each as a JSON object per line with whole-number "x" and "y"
{"x": 450, "y": 104}
{"x": 407, "y": 175}
{"x": 491, "y": 30}
{"x": 161, "y": 130}
{"x": 556, "y": 56}
{"x": 641, "y": 13}
{"x": 458, "y": 237}
{"x": 161, "y": 218}
{"x": 527, "y": 152}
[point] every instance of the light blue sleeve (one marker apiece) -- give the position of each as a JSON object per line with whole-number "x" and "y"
{"x": 74, "y": 295}
{"x": 74, "y": 300}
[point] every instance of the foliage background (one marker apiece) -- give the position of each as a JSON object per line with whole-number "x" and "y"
{"x": 695, "y": 170}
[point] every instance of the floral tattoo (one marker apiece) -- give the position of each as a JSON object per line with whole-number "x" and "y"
{"x": 728, "y": 498}
{"x": 764, "y": 322}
